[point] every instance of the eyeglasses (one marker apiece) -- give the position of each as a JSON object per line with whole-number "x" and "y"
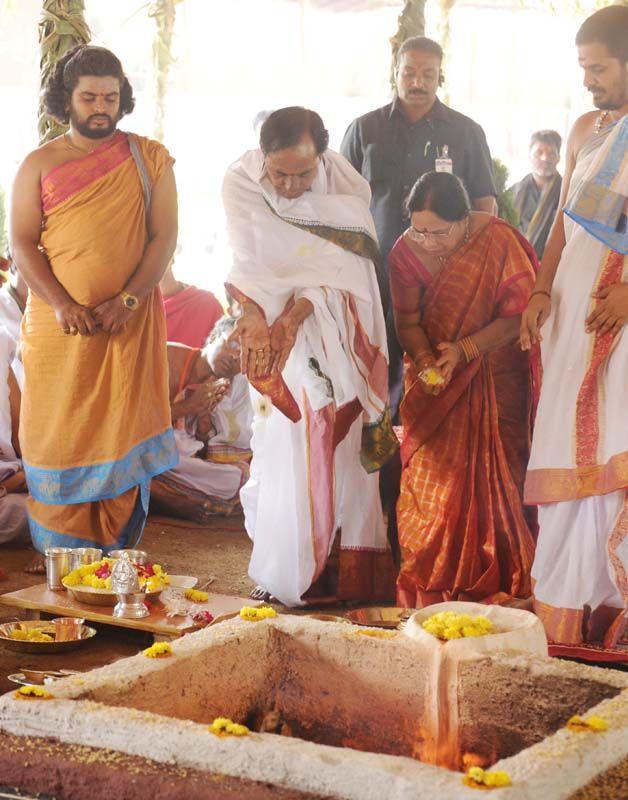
{"x": 423, "y": 236}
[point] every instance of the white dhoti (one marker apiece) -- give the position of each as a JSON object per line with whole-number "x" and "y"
{"x": 312, "y": 476}
{"x": 578, "y": 470}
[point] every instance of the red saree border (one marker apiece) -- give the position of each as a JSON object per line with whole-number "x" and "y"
{"x": 556, "y": 485}
{"x": 319, "y": 427}
{"x": 617, "y": 538}
{"x": 589, "y": 416}
{"x": 70, "y": 178}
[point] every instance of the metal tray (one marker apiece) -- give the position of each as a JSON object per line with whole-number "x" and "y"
{"x": 379, "y": 616}
{"x": 102, "y": 597}
{"x": 21, "y": 646}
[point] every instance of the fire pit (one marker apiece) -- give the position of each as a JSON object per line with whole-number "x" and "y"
{"x": 361, "y": 707}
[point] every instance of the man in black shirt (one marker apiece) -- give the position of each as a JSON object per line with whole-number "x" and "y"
{"x": 416, "y": 133}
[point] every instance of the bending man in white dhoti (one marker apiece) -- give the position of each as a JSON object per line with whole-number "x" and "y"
{"x": 313, "y": 345}
{"x": 211, "y": 417}
{"x": 578, "y": 470}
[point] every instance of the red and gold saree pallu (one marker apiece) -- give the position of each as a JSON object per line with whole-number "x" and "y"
{"x": 95, "y": 423}
{"x": 462, "y": 528}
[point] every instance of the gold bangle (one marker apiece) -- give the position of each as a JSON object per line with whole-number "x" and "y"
{"x": 469, "y": 348}
{"x": 465, "y": 350}
{"x": 539, "y": 291}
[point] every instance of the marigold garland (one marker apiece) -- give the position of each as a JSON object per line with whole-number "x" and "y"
{"x": 447, "y": 625}
{"x": 30, "y": 692}
{"x": 196, "y": 596}
{"x": 478, "y": 778}
{"x": 158, "y": 650}
{"x": 592, "y": 724}
{"x": 152, "y": 577}
{"x": 222, "y": 726}
{"x": 255, "y": 614}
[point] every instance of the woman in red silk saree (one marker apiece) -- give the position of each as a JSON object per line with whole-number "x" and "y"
{"x": 462, "y": 528}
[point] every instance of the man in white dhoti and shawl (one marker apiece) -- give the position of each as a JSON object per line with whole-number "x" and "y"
{"x": 578, "y": 470}
{"x": 313, "y": 344}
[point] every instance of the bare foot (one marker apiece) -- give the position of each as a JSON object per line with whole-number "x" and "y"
{"x": 259, "y": 593}
{"x": 37, "y": 566}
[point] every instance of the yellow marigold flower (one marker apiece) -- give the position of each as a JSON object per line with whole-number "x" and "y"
{"x": 32, "y": 692}
{"x": 579, "y": 725}
{"x": 222, "y": 726}
{"x": 154, "y": 584}
{"x": 497, "y": 779}
{"x": 431, "y": 376}
{"x": 73, "y": 578}
{"x": 158, "y": 650}
{"x": 19, "y": 634}
{"x": 196, "y": 596}
{"x": 597, "y": 723}
{"x": 376, "y": 634}
{"x": 478, "y": 778}
{"x": 447, "y": 625}
{"x": 255, "y": 614}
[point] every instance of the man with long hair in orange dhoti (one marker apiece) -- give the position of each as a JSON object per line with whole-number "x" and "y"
{"x": 94, "y": 224}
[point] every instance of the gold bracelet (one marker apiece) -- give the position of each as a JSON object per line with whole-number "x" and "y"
{"x": 469, "y": 348}
{"x": 540, "y": 291}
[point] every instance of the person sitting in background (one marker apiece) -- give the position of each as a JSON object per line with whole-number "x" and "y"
{"x": 12, "y": 298}
{"x": 13, "y": 514}
{"x": 212, "y": 419}
{"x": 191, "y": 313}
{"x": 536, "y": 196}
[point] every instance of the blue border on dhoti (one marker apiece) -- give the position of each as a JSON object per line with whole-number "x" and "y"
{"x": 103, "y": 481}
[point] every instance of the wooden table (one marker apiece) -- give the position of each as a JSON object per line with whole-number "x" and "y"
{"x": 39, "y": 599}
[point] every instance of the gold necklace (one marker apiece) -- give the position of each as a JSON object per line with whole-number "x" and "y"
{"x": 600, "y": 120}
{"x": 442, "y": 259}
{"x": 75, "y": 146}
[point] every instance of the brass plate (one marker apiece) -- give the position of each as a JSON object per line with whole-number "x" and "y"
{"x": 379, "y": 616}
{"x": 40, "y": 647}
{"x": 102, "y": 597}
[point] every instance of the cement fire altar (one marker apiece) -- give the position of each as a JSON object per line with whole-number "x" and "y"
{"x": 362, "y": 705}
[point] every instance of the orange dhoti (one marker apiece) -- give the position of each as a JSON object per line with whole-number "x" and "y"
{"x": 95, "y": 422}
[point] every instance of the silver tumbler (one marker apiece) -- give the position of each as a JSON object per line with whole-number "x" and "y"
{"x": 58, "y": 564}
{"x": 85, "y": 555}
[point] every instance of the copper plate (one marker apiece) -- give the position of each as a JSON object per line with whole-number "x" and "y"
{"x": 22, "y": 646}
{"x": 379, "y": 616}
{"x": 102, "y": 597}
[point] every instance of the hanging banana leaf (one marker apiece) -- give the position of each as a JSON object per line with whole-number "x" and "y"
{"x": 411, "y": 22}
{"x": 164, "y": 13}
{"x": 61, "y": 26}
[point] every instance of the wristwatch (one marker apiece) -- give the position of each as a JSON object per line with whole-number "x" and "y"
{"x": 130, "y": 301}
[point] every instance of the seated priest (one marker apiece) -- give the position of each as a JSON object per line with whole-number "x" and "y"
{"x": 212, "y": 417}
{"x": 13, "y": 517}
{"x": 191, "y": 313}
